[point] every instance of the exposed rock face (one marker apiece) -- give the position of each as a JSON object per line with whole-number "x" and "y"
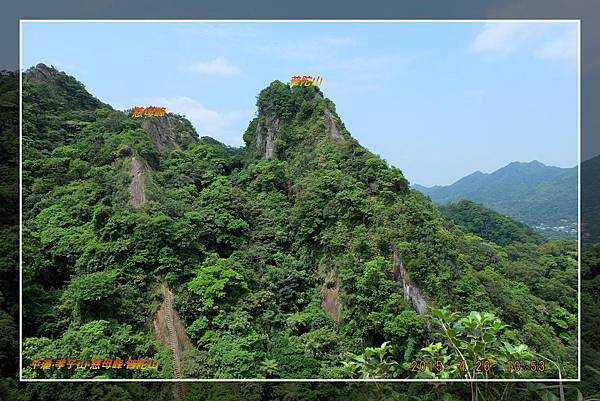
{"x": 41, "y": 72}
{"x": 258, "y": 135}
{"x": 270, "y": 129}
{"x": 331, "y": 302}
{"x": 159, "y": 129}
{"x": 283, "y": 113}
{"x": 269, "y": 146}
{"x": 137, "y": 185}
{"x": 332, "y": 126}
{"x": 331, "y": 295}
{"x": 411, "y": 291}
{"x": 169, "y": 330}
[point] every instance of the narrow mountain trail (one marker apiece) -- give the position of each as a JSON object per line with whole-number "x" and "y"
{"x": 170, "y": 331}
{"x": 167, "y": 326}
{"x": 137, "y": 186}
{"x": 178, "y": 390}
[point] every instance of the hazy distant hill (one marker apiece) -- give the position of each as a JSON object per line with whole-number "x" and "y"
{"x": 544, "y": 197}
{"x": 590, "y": 200}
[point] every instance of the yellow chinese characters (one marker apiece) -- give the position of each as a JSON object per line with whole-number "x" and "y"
{"x": 305, "y": 80}
{"x": 95, "y": 363}
{"x": 151, "y": 111}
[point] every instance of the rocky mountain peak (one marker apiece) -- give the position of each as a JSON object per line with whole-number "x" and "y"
{"x": 285, "y": 112}
{"x": 169, "y": 131}
{"x": 41, "y": 72}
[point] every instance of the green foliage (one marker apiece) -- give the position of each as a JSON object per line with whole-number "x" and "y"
{"x": 281, "y": 266}
{"x": 490, "y": 225}
{"x": 96, "y": 339}
{"x": 476, "y": 346}
{"x": 216, "y": 280}
{"x": 374, "y": 363}
{"x": 590, "y": 201}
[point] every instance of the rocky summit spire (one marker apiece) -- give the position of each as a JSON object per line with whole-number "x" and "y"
{"x": 57, "y": 90}
{"x": 292, "y": 115}
{"x": 41, "y": 72}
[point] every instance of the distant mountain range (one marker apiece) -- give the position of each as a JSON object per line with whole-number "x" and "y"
{"x": 543, "y": 197}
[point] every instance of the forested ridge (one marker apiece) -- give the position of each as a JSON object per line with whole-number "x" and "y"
{"x": 301, "y": 255}
{"x": 488, "y": 224}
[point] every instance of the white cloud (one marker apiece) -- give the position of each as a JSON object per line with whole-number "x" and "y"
{"x": 560, "y": 48}
{"x": 217, "y": 67}
{"x": 307, "y": 49}
{"x": 502, "y": 38}
{"x": 227, "y": 127}
{"x": 543, "y": 40}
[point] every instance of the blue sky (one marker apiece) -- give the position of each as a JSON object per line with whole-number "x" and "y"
{"x": 438, "y": 100}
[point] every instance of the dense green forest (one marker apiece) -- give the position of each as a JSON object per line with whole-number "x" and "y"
{"x": 590, "y": 203}
{"x": 488, "y": 224}
{"x": 9, "y": 229}
{"x": 302, "y": 255}
{"x": 297, "y": 256}
{"x": 543, "y": 197}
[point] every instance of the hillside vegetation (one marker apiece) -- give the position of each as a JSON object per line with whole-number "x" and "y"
{"x": 590, "y": 200}
{"x": 301, "y": 255}
{"x": 488, "y": 224}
